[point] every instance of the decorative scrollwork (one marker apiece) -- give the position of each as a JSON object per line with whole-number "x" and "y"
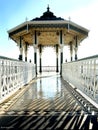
{"x": 84, "y": 75}
{"x": 13, "y": 75}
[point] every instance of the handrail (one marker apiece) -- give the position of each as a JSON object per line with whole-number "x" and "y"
{"x": 7, "y": 58}
{"x": 85, "y": 58}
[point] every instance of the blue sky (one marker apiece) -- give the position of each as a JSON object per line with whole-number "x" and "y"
{"x": 82, "y": 12}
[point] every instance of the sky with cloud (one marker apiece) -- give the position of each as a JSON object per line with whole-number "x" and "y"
{"x": 82, "y": 12}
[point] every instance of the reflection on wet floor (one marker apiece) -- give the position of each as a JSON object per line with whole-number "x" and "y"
{"x": 45, "y": 93}
{"x": 48, "y": 104}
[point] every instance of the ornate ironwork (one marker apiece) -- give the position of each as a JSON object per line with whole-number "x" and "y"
{"x": 84, "y": 75}
{"x": 13, "y": 75}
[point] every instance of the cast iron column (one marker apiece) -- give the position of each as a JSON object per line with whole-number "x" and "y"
{"x": 21, "y": 49}
{"x": 40, "y": 60}
{"x": 26, "y": 49}
{"x": 71, "y": 51}
{"x": 61, "y": 55}
{"x": 35, "y": 51}
{"x": 76, "y": 47}
{"x": 57, "y": 69}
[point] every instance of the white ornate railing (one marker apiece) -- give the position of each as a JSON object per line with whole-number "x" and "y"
{"x": 83, "y": 74}
{"x": 13, "y": 75}
{"x": 48, "y": 68}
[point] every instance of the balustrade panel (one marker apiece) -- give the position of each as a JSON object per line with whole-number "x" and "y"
{"x": 83, "y": 74}
{"x": 13, "y": 75}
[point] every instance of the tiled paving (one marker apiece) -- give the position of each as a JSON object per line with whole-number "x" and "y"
{"x": 49, "y": 103}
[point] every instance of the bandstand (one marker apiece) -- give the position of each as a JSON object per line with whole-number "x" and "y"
{"x": 66, "y": 101}
{"x": 48, "y": 30}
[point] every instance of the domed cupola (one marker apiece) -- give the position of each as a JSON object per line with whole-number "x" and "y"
{"x": 48, "y": 15}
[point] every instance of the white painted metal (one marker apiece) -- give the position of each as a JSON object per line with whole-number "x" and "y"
{"x": 83, "y": 74}
{"x": 13, "y": 75}
{"x": 48, "y": 68}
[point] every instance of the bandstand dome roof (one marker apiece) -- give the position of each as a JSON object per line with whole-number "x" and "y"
{"x": 48, "y": 15}
{"x": 48, "y": 27}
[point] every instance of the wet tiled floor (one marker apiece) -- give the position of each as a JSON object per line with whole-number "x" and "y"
{"x": 48, "y": 104}
{"x": 46, "y": 93}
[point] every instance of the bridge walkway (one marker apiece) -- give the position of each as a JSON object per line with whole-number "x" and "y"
{"x": 48, "y": 102}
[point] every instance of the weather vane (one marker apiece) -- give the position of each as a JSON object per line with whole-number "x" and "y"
{"x": 48, "y": 8}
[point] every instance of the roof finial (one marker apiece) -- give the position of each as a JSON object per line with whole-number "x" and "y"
{"x": 69, "y": 18}
{"x": 48, "y": 8}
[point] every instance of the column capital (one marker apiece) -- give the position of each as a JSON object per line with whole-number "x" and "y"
{"x": 76, "y": 49}
{"x": 61, "y": 46}
{"x": 35, "y": 46}
{"x": 57, "y": 54}
{"x": 40, "y": 55}
{"x": 21, "y": 50}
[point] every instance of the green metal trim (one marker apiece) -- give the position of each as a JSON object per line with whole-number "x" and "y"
{"x": 18, "y": 30}
{"x": 48, "y": 26}
{"x": 77, "y": 29}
